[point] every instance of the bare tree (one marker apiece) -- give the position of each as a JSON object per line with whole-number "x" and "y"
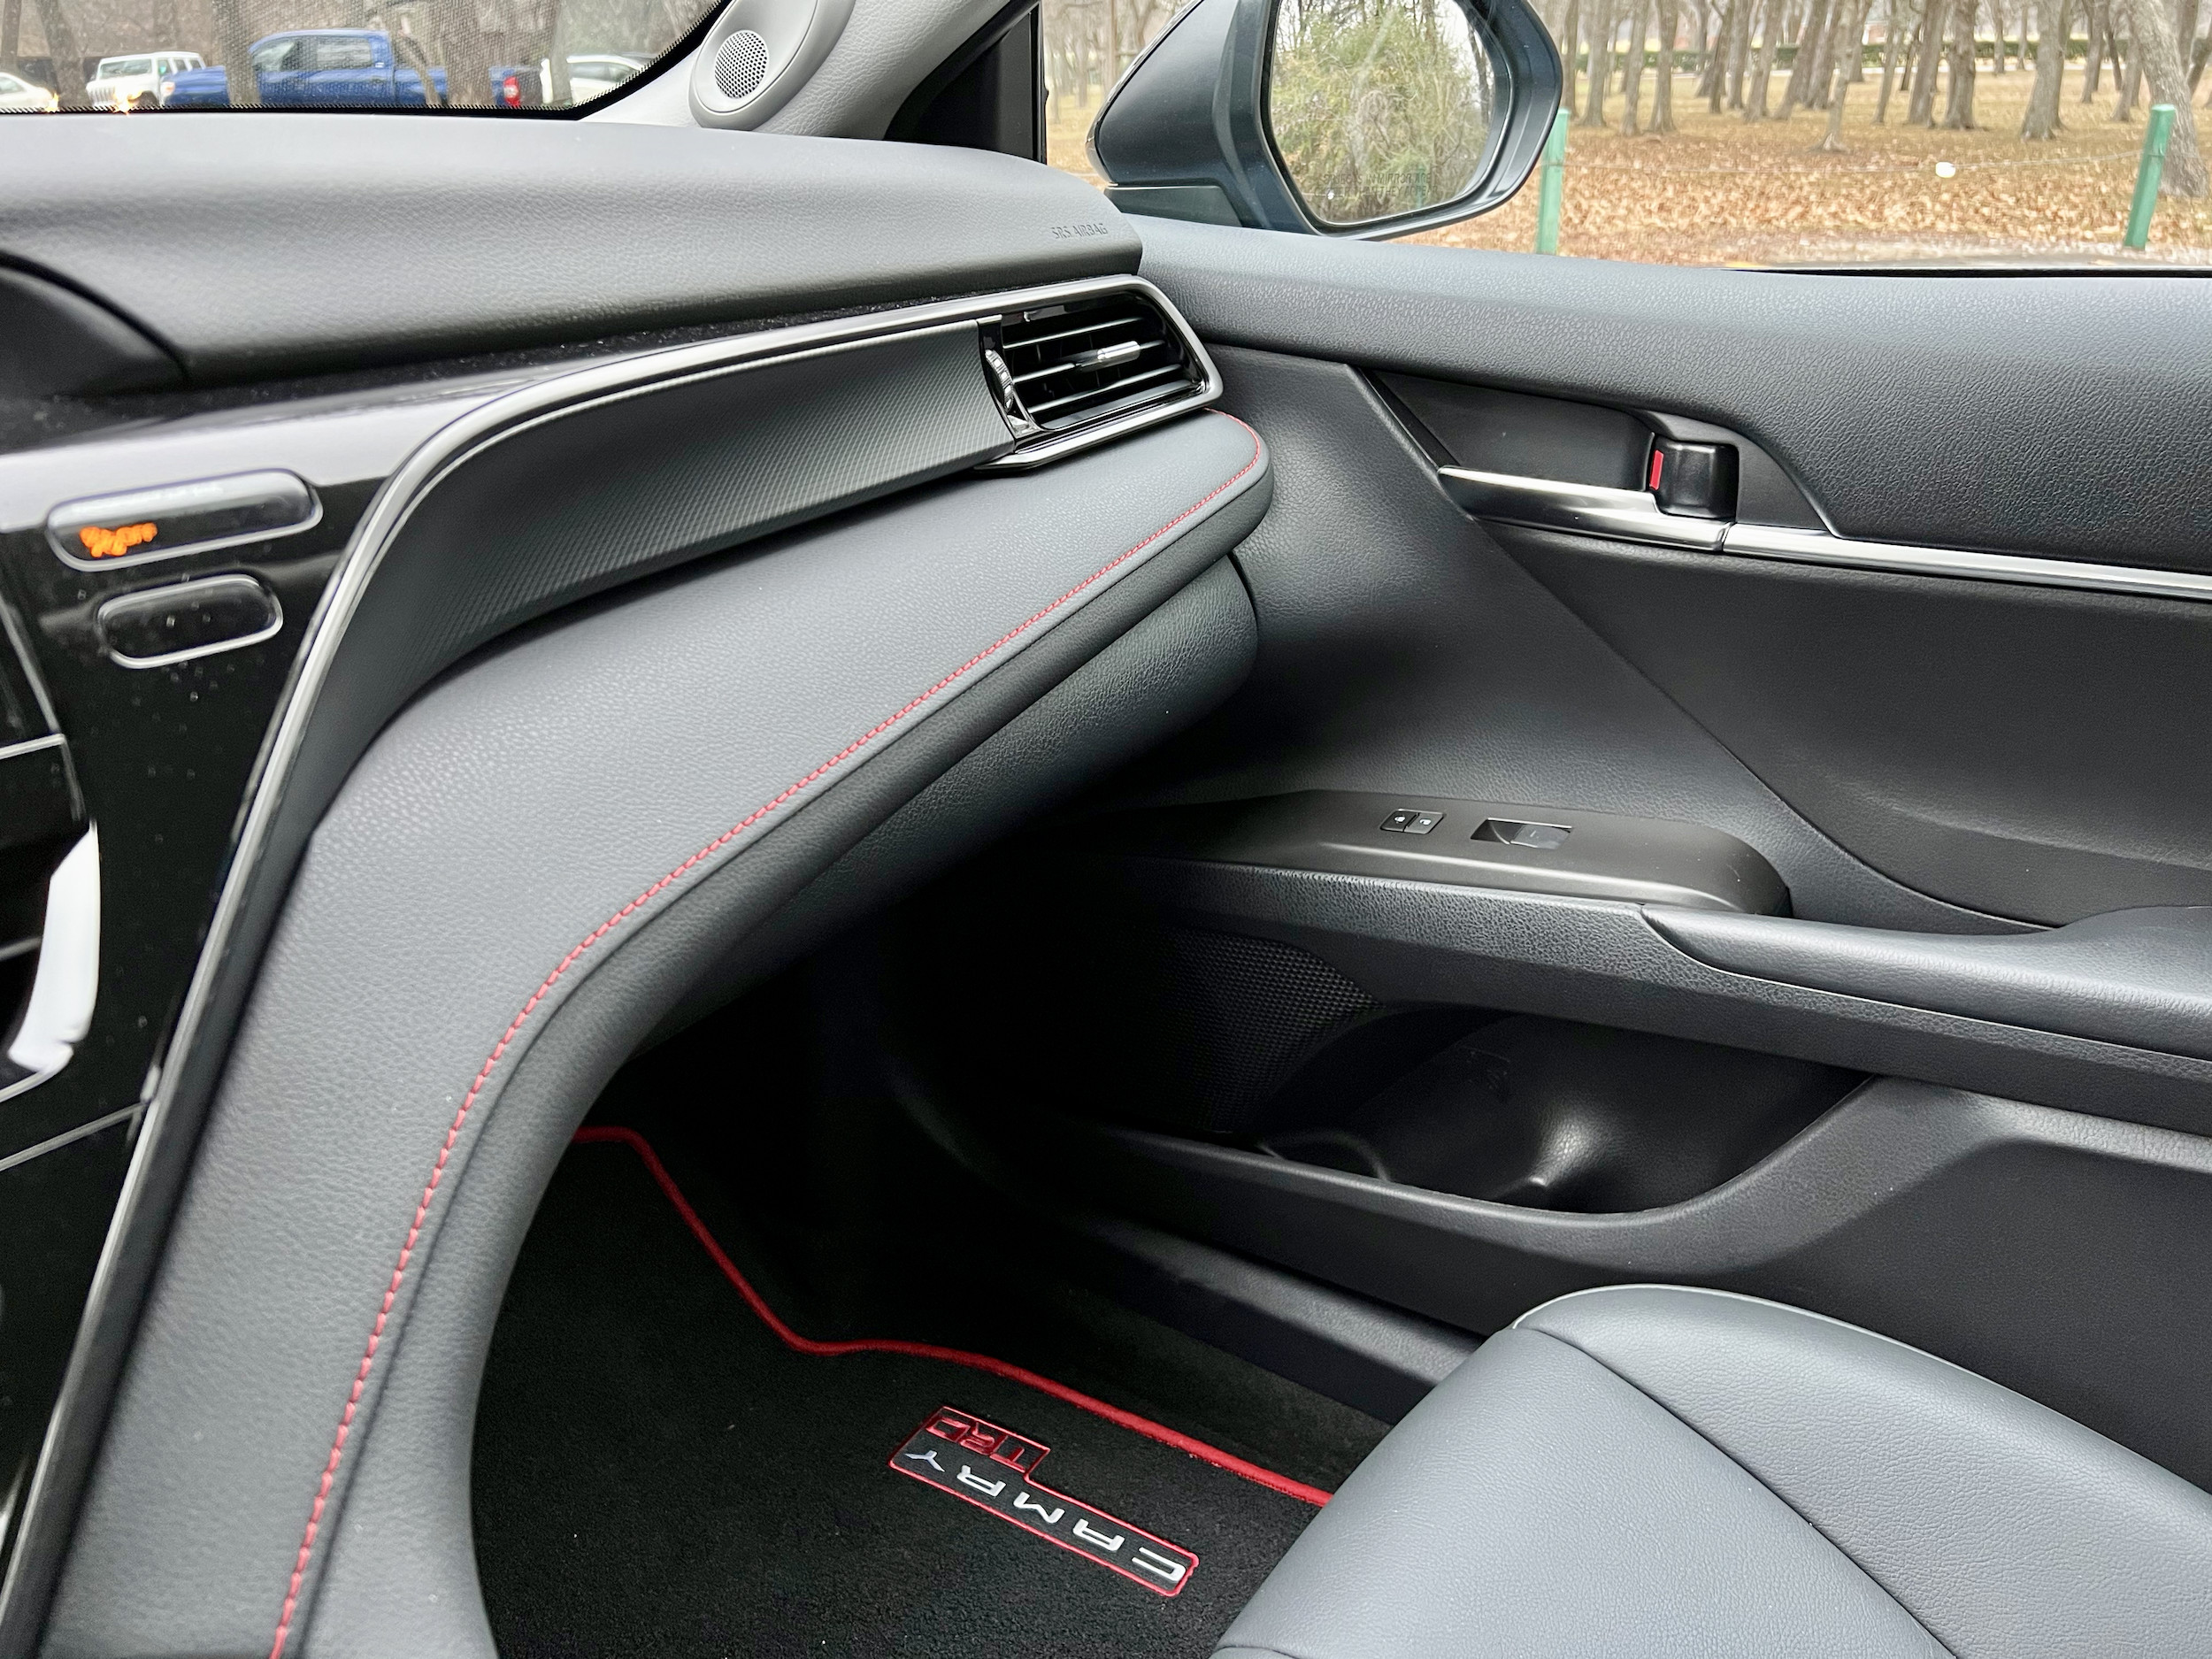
{"x": 1853, "y": 18}
{"x": 2054, "y": 18}
{"x": 2098, "y": 14}
{"x": 10, "y": 34}
{"x": 2158, "y": 53}
{"x": 1922, "y": 111}
{"x": 1892, "y": 33}
{"x": 2127, "y": 78}
{"x": 1803, "y": 65}
{"x": 1602, "y": 27}
{"x": 1958, "y": 111}
{"x": 1568, "y": 29}
{"x": 1662, "y": 91}
{"x": 61, "y": 46}
{"x": 1638, "y": 27}
{"x": 1754, "y": 103}
{"x": 1713, "y": 83}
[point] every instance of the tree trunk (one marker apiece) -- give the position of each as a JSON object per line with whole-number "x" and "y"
{"x": 1740, "y": 49}
{"x": 2055, "y": 17}
{"x": 1602, "y": 27}
{"x": 1958, "y": 110}
{"x": 1662, "y": 89}
{"x": 1823, "y": 47}
{"x": 1850, "y": 21}
{"x": 1762, "y": 77}
{"x": 1638, "y": 27}
{"x": 61, "y": 46}
{"x": 2094, "y": 56}
{"x": 2159, "y": 54}
{"x": 10, "y": 34}
{"x": 1570, "y": 26}
{"x": 1713, "y": 83}
{"x": 1889, "y": 64}
{"x": 2128, "y": 82}
{"x": 1806, "y": 60}
{"x": 1922, "y": 111}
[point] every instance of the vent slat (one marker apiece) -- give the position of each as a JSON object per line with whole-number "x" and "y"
{"x": 1038, "y": 412}
{"x": 1070, "y": 368}
{"x": 1059, "y": 393}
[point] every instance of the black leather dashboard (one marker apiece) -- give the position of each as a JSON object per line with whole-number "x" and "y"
{"x": 653, "y": 606}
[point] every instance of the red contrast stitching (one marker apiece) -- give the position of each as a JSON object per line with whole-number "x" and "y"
{"x": 1258, "y": 1474}
{"x": 545, "y": 988}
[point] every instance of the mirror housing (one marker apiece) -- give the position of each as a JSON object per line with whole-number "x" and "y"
{"x": 1187, "y": 133}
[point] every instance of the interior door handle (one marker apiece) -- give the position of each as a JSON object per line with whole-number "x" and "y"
{"x": 1550, "y": 504}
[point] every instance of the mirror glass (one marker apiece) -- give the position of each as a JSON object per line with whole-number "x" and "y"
{"x": 1379, "y": 107}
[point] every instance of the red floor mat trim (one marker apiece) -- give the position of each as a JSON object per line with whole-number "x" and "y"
{"x": 793, "y": 1341}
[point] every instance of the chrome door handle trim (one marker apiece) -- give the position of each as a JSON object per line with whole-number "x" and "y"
{"x": 1817, "y": 547}
{"x": 1631, "y": 515}
{"x": 1552, "y": 504}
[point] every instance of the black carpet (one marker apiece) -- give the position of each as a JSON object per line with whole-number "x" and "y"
{"x": 655, "y": 1473}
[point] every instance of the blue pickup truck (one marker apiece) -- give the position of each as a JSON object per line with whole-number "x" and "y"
{"x": 345, "y": 68}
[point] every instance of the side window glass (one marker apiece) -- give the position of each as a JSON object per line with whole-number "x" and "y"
{"x": 343, "y": 52}
{"x": 1808, "y": 133}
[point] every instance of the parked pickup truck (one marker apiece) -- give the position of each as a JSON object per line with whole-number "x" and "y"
{"x": 346, "y": 69}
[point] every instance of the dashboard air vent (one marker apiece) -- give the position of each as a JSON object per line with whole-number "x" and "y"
{"x": 1074, "y": 364}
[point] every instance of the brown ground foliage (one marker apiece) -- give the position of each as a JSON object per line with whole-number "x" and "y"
{"x": 1725, "y": 191}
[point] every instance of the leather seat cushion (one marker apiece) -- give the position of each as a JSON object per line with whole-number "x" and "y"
{"x": 1656, "y": 1471}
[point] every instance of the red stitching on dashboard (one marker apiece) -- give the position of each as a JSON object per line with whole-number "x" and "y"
{"x": 545, "y": 987}
{"x": 1258, "y": 1474}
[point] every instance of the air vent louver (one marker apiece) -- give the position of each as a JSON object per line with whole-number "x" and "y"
{"x": 1088, "y": 360}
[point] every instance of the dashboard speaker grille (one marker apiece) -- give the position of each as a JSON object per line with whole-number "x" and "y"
{"x": 1080, "y": 362}
{"x": 740, "y": 66}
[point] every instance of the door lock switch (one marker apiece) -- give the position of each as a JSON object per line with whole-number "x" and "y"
{"x": 1697, "y": 480}
{"x": 1406, "y": 821}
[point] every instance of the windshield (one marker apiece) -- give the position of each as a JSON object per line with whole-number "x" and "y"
{"x": 408, "y": 57}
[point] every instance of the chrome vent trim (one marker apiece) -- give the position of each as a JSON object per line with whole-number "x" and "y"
{"x": 1078, "y": 372}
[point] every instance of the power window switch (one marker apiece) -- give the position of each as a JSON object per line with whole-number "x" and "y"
{"x": 1406, "y": 821}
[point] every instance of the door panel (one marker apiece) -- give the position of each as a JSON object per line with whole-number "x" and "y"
{"x": 1461, "y": 1100}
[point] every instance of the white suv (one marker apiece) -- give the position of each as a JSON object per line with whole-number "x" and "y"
{"x": 134, "y": 81}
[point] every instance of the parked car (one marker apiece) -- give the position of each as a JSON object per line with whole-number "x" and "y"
{"x": 590, "y": 75}
{"x": 341, "y": 68}
{"x": 17, "y": 95}
{"x": 593, "y": 75}
{"x": 134, "y": 80}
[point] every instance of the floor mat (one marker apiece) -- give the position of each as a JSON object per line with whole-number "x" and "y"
{"x": 656, "y": 1473}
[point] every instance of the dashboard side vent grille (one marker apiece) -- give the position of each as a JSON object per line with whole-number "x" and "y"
{"x": 1073, "y": 364}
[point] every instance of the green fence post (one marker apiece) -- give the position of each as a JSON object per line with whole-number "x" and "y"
{"x": 1547, "y": 187}
{"x": 2146, "y": 175}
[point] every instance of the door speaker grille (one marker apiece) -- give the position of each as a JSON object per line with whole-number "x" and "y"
{"x": 740, "y": 66}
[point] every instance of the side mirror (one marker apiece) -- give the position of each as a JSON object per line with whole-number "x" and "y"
{"x": 1339, "y": 118}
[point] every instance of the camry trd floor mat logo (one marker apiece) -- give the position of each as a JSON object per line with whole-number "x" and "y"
{"x": 959, "y": 1453}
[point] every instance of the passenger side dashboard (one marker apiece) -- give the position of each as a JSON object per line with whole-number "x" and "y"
{"x": 699, "y": 562}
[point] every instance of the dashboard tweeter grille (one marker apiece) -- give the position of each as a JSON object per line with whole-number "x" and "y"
{"x": 1072, "y": 364}
{"x": 740, "y": 66}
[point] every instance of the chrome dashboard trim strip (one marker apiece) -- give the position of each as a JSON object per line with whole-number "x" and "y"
{"x": 483, "y": 423}
{"x": 1632, "y": 515}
